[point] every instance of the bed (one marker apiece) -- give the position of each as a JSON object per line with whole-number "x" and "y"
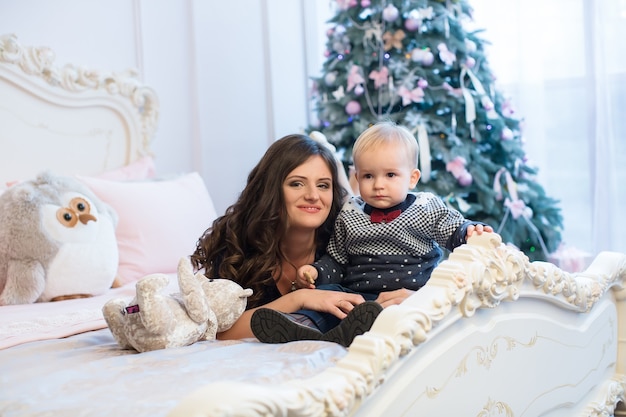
{"x": 491, "y": 334}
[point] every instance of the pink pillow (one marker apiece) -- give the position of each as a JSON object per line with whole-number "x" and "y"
{"x": 141, "y": 169}
{"x": 160, "y": 221}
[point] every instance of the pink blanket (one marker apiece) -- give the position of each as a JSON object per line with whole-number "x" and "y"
{"x": 41, "y": 321}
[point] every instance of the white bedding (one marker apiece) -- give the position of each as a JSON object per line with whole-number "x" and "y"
{"x": 96, "y": 378}
{"x": 48, "y": 374}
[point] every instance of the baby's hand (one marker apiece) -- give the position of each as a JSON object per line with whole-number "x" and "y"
{"x": 479, "y": 229}
{"x": 307, "y": 275}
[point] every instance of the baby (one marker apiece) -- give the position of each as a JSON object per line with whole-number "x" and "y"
{"x": 388, "y": 238}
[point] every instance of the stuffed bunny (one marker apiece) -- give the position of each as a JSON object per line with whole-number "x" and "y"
{"x": 153, "y": 320}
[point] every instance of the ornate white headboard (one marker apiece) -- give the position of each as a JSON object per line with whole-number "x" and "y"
{"x": 112, "y": 115}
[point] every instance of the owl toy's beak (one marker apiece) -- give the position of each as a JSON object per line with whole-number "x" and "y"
{"x": 86, "y": 217}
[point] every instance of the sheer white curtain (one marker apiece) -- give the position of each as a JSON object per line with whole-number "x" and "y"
{"x": 563, "y": 64}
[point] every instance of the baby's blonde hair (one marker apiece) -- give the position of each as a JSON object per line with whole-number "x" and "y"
{"x": 385, "y": 133}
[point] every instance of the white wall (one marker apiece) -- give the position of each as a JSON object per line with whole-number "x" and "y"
{"x": 231, "y": 76}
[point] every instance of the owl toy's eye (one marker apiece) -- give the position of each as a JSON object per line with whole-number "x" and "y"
{"x": 66, "y": 217}
{"x": 80, "y": 205}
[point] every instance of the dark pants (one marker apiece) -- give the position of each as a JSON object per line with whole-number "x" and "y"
{"x": 327, "y": 321}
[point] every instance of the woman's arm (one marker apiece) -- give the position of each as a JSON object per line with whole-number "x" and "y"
{"x": 334, "y": 302}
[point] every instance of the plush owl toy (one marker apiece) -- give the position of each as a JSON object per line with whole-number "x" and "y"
{"x": 57, "y": 241}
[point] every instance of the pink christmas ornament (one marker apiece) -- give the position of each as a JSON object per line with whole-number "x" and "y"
{"x": 390, "y": 13}
{"x": 413, "y": 21}
{"x": 507, "y": 108}
{"x": 358, "y": 90}
{"x": 343, "y": 4}
{"x": 365, "y": 3}
{"x": 411, "y": 24}
{"x": 465, "y": 179}
{"x": 353, "y": 108}
{"x": 456, "y": 166}
{"x": 422, "y": 83}
{"x": 470, "y": 62}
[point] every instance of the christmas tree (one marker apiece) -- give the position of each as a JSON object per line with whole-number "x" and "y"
{"x": 416, "y": 62}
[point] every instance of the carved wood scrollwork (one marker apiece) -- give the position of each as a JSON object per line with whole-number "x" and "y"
{"x": 40, "y": 61}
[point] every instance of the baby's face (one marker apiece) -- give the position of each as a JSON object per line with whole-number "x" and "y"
{"x": 385, "y": 175}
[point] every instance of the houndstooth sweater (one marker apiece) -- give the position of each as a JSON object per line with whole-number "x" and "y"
{"x": 372, "y": 257}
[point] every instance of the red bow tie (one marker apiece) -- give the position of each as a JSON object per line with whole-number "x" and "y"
{"x": 378, "y": 216}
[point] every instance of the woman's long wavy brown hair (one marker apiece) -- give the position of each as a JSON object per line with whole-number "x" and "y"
{"x": 244, "y": 243}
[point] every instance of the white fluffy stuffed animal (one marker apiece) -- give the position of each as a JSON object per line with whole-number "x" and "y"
{"x": 57, "y": 240}
{"x": 153, "y": 320}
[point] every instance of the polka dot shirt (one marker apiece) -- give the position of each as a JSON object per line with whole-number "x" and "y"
{"x": 372, "y": 257}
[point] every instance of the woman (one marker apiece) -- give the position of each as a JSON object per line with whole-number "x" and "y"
{"x": 281, "y": 221}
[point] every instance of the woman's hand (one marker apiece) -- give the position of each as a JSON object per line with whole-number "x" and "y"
{"x": 389, "y": 298}
{"x": 337, "y": 303}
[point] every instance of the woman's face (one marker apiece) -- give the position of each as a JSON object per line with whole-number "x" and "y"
{"x": 308, "y": 193}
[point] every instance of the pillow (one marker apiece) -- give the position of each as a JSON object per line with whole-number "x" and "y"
{"x": 160, "y": 221}
{"x": 141, "y": 169}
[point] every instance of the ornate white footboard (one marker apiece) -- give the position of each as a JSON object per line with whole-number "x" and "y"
{"x": 491, "y": 334}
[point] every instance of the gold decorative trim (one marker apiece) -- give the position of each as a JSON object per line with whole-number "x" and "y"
{"x": 492, "y": 407}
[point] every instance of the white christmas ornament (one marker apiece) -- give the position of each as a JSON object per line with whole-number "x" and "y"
{"x": 470, "y": 45}
{"x": 330, "y": 78}
{"x": 390, "y": 13}
{"x": 417, "y": 55}
{"x": 428, "y": 59}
